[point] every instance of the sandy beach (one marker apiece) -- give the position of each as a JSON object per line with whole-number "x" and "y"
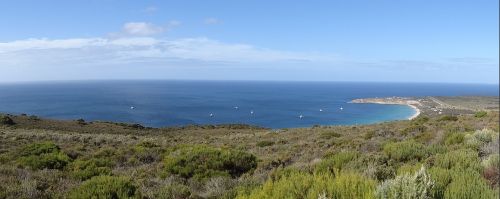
{"x": 414, "y": 104}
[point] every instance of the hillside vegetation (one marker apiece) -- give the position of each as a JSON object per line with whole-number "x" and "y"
{"x": 428, "y": 157}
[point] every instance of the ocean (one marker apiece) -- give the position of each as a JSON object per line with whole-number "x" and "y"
{"x": 177, "y": 103}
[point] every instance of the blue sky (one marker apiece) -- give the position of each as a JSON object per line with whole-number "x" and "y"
{"x": 389, "y": 41}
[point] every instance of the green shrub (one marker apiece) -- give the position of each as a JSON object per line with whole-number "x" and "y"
{"x": 480, "y": 114}
{"x": 6, "y": 120}
{"x": 55, "y": 160}
{"x": 414, "y": 128}
{"x": 435, "y": 149}
{"x": 448, "y": 118}
{"x": 409, "y": 168}
{"x": 336, "y": 161}
{"x": 311, "y": 186}
{"x": 441, "y": 178}
{"x": 43, "y": 155}
{"x": 173, "y": 191}
{"x": 202, "y": 162}
{"x": 265, "y": 143}
{"x": 38, "y": 148}
{"x": 86, "y": 169}
{"x": 329, "y": 135}
{"x": 492, "y": 160}
{"x": 416, "y": 186}
{"x": 147, "y": 152}
{"x": 459, "y": 159}
{"x": 483, "y": 140}
{"x": 454, "y": 138}
{"x": 469, "y": 184}
{"x": 405, "y": 151}
{"x": 105, "y": 187}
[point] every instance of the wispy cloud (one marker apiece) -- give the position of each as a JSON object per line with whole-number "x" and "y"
{"x": 134, "y": 49}
{"x": 150, "y": 9}
{"x": 173, "y": 23}
{"x": 142, "y": 29}
{"x": 211, "y": 21}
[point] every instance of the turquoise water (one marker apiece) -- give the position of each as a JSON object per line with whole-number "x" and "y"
{"x": 176, "y": 103}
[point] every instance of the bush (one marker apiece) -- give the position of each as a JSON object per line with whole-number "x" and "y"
{"x": 459, "y": 159}
{"x": 203, "y": 162}
{"x": 480, "y": 114}
{"x": 469, "y": 184}
{"x": 173, "y": 191}
{"x": 405, "y": 151}
{"x": 454, "y": 138}
{"x": 409, "y": 168}
{"x": 414, "y": 128}
{"x": 448, "y": 118}
{"x": 43, "y": 155}
{"x": 329, "y": 135}
{"x": 492, "y": 161}
{"x": 86, "y": 169}
{"x": 105, "y": 187}
{"x": 484, "y": 135}
{"x": 480, "y": 138}
{"x": 418, "y": 186}
{"x": 39, "y": 148}
{"x": 147, "y": 152}
{"x": 5, "y": 120}
{"x": 336, "y": 161}
{"x": 265, "y": 143}
{"x": 56, "y": 160}
{"x": 305, "y": 185}
{"x": 441, "y": 178}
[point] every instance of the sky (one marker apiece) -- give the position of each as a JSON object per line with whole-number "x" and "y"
{"x": 330, "y": 40}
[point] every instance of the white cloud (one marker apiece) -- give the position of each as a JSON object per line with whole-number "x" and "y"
{"x": 211, "y": 21}
{"x": 92, "y": 51}
{"x": 173, "y": 23}
{"x": 150, "y": 9}
{"x": 142, "y": 28}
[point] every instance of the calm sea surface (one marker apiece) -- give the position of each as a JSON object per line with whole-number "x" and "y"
{"x": 175, "y": 103}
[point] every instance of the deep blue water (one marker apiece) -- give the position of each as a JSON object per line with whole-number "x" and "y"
{"x": 174, "y": 103}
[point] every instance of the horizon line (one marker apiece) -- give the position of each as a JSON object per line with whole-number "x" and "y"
{"x": 240, "y": 80}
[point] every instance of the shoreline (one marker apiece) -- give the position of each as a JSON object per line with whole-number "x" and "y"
{"x": 412, "y": 103}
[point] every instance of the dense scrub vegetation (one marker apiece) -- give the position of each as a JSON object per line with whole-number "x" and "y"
{"x": 201, "y": 162}
{"x": 437, "y": 157}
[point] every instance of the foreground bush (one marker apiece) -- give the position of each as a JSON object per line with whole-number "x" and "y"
{"x": 105, "y": 187}
{"x": 459, "y": 159}
{"x": 147, "y": 152}
{"x": 44, "y": 155}
{"x": 480, "y": 114}
{"x": 174, "y": 191}
{"x": 454, "y": 138}
{"x": 296, "y": 184}
{"x": 405, "y": 151}
{"x": 85, "y": 169}
{"x": 39, "y": 148}
{"x": 418, "y": 186}
{"x": 336, "y": 161}
{"x": 203, "y": 162}
{"x": 492, "y": 160}
{"x": 442, "y": 178}
{"x": 469, "y": 184}
{"x": 480, "y": 138}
